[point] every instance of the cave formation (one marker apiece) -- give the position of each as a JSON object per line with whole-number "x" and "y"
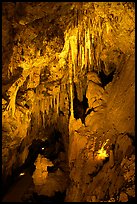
{"x": 68, "y": 101}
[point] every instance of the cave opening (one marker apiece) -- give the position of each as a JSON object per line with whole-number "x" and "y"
{"x": 79, "y": 107}
{"x": 50, "y": 148}
{"x": 34, "y": 149}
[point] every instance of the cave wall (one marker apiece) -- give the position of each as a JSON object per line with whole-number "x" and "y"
{"x": 46, "y": 48}
{"x": 98, "y": 172}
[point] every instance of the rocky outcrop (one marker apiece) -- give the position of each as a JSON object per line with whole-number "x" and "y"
{"x": 97, "y": 169}
{"x": 48, "y": 183}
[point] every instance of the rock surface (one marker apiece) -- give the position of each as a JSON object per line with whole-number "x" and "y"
{"x": 48, "y": 183}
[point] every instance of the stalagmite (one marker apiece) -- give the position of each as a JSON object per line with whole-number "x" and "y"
{"x": 12, "y": 103}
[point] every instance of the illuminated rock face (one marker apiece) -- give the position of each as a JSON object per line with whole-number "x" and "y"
{"x": 48, "y": 183}
{"x": 49, "y": 47}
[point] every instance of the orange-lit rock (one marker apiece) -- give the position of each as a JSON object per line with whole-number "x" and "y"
{"x": 48, "y": 183}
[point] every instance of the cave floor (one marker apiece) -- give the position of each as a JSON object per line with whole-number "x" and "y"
{"x": 18, "y": 189}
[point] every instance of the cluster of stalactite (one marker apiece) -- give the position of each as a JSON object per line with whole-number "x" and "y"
{"x": 83, "y": 51}
{"x": 44, "y": 104}
{"x": 79, "y": 53}
{"x": 79, "y": 56}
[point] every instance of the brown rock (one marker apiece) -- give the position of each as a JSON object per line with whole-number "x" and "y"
{"x": 123, "y": 197}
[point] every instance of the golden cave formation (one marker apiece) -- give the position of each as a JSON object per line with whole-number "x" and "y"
{"x": 68, "y": 101}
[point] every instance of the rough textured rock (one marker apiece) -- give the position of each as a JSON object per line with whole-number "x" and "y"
{"x": 47, "y": 50}
{"x": 48, "y": 183}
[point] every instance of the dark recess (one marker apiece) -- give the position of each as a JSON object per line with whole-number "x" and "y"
{"x": 106, "y": 79}
{"x": 79, "y": 106}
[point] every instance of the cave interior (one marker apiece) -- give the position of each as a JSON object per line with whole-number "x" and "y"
{"x": 68, "y": 101}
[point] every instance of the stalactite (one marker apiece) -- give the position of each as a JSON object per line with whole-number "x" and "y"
{"x": 89, "y": 43}
{"x": 61, "y": 87}
{"x": 92, "y": 38}
{"x": 64, "y": 87}
{"x": 57, "y": 103}
{"x": 43, "y": 119}
{"x": 54, "y": 97}
{"x": 12, "y": 92}
{"x": 38, "y": 108}
{"x": 83, "y": 57}
{"x": 85, "y": 47}
{"x": 80, "y": 54}
{"x": 73, "y": 48}
{"x": 71, "y": 87}
{"x": 10, "y": 72}
{"x": 47, "y": 105}
{"x": 76, "y": 17}
{"x": 77, "y": 62}
{"x": 44, "y": 115}
{"x": 51, "y": 103}
{"x": 79, "y": 47}
{"x": 79, "y": 91}
{"x": 43, "y": 112}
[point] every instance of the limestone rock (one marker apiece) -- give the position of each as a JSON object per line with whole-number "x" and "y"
{"x": 131, "y": 191}
{"x": 123, "y": 197}
{"x": 74, "y": 124}
{"x": 94, "y": 93}
{"x": 48, "y": 183}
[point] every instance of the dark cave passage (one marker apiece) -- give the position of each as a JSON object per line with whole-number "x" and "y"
{"x": 79, "y": 107}
{"x": 50, "y": 149}
{"x": 59, "y": 197}
{"x": 106, "y": 79}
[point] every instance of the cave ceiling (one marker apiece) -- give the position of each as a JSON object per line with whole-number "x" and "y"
{"x": 40, "y": 33}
